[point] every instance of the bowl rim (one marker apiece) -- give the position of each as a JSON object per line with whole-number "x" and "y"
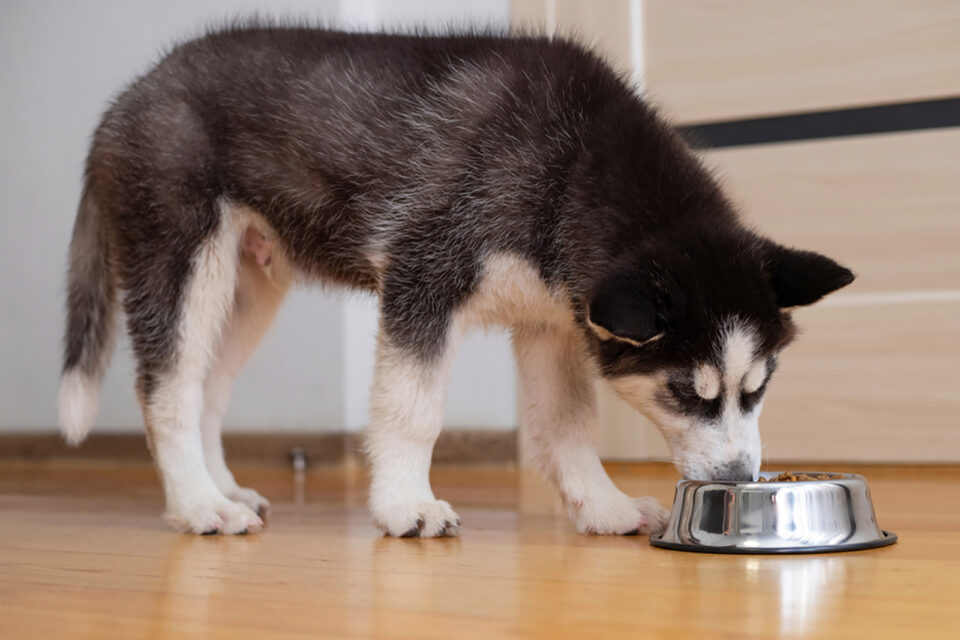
{"x": 839, "y": 477}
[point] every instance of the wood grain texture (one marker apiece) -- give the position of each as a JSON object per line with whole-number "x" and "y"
{"x": 887, "y": 206}
{"x": 85, "y": 555}
{"x": 868, "y": 383}
{"x": 718, "y": 60}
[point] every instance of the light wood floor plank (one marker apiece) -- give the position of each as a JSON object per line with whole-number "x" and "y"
{"x": 83, "y": 554}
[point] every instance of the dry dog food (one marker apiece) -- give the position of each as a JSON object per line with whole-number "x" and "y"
{"x": 790, "y": 476}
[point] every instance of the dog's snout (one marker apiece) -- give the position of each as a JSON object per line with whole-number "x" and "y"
{"x": 740, "y": 470}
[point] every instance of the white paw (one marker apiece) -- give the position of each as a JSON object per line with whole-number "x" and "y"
{"x": 249, "y": 497}
{"x": 214, "y": 516}
{"x": 618, "y": 514}
{"x": 653, "y": 513}
{"x": 423, "y": 519}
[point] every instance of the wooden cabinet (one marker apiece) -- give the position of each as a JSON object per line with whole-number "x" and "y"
{"x": 719, "y": 60}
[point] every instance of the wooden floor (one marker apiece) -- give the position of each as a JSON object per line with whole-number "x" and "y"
{"x": 84, "y": 554}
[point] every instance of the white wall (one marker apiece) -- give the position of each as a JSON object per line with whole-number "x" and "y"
{"x": 59, "y": 64}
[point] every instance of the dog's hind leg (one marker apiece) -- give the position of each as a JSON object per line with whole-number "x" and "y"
{"x": 259, "y": 294}
{"x": 179, "y": 299}
{"x": 559, "y": 427}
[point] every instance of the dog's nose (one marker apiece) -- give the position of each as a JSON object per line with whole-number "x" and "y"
{"x": 740, "y": 470}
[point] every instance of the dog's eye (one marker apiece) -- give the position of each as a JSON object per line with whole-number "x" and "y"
{"x": 685, "y": 399}
{"x": 749, "y": 400}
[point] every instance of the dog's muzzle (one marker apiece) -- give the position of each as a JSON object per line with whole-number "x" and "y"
{"x": 740, "y": 470}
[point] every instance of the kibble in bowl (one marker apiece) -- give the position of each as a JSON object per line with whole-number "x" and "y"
{"x": 793, "y": 476}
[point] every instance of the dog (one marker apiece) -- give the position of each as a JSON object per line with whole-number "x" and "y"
{"x": 468, "y": 180}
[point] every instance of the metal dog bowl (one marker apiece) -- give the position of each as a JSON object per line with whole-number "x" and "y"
{"x": 814, "y": 516}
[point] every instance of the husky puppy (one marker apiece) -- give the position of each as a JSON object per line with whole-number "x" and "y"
{"x": 467, "y": 180}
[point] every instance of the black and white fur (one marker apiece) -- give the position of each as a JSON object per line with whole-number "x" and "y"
{"x": 468, "y": 180}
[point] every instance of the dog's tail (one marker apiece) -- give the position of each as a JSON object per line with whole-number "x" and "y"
{"x": 91, "y": 311}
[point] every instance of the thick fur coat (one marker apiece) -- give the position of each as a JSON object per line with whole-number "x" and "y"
{"x": 467, "y": 180}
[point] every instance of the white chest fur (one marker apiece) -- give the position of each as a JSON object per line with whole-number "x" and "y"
{"x": 512, "y": 293}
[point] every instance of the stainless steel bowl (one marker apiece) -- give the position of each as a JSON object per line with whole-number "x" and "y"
{"x": 773, "y": 517}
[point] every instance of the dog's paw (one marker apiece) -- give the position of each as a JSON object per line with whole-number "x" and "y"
{"x": 257, "y": 503}
{"x": 654, "y": 515}
{"x": 218, "y": 516}
{"x": 618, "y": 514}
{"x": 424, "y": 519}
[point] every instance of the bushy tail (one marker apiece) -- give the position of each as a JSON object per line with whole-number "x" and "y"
{"x": 91, "y": 310}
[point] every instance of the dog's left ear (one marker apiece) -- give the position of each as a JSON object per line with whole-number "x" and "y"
{"x": 803, "y": 277}
{"x": 624, "y": 308}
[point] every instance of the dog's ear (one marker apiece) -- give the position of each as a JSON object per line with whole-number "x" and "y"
{"x": 802, "y": 277}
{"x": 623, "y": 308}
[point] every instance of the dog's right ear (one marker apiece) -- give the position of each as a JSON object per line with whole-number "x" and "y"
{"x": 623, "y": 308}
{"x": 802, "y": 277}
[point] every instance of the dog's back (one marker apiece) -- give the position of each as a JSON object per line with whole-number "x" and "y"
{"x": 357, "y": 149}
{"x": 343, "y": 138}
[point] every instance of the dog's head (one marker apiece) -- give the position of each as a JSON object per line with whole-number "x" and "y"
{"x": 689, "y": 335}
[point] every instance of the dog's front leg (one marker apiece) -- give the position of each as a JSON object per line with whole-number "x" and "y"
{"x": 406, "y": 413}
{"x": 559, "y": 430}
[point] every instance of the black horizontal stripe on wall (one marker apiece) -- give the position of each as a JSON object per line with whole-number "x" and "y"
{"x": 906, "y": 116}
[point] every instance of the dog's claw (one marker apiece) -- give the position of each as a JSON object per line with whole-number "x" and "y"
{"x": 632, "y": 532}
{"x": 414, "y": 532}
{"x": 427, "y": 519}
